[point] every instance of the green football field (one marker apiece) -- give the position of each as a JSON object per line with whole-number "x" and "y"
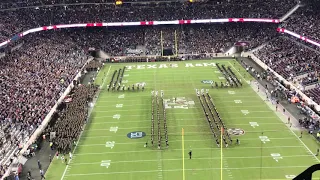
{"x": 268, "y": 148}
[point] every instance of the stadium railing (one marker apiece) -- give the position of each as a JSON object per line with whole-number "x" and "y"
{"x": 153, "y": 23}
{"x": 265, "y": 67}
{"x": 304, "y": 38}
{"x": 139, "y": 23}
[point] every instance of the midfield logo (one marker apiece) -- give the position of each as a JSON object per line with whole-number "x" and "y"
{"x": 178, "y": 103}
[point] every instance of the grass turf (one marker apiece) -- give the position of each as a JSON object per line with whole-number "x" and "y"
{"x": 129, "y": 159}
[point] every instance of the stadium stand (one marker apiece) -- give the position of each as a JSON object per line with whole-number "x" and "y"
{"x": 35, "y": 77}
{"x": 27, "y": 18}
{"x": 314, "y": 94}
{"x": 305, "y": 21}
{"x": 288, "y": 58}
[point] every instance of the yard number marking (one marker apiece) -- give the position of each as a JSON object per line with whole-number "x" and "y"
{"x": 125, "y": 75}
{"x": 119, "y": 105}
{"x": 105, "y": 163}
{"x": 217, "y": 72}
{"x": 231, "y": 92}
{"x": 237, "y": 101}
{"x": 110, "y": 144}
{"x": 264, "y": 139}
{"x": 245, "y": 112}
{"x": 121, "y": 96}
{"x": 222, "y": 78}
{"x": 114, "y": 129}
{"x": 125, "y": 81}
{"x": 276, "y": 156}
{"x": 254, "y": 124}
{"x": 290, "y": 176}
{"x": 116, "y": 116}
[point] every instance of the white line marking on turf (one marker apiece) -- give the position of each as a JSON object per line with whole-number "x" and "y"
{"x": 115, "y": 129}
{"x": 152, "y": 151}
{"x": 225, "y": 163}
{"x": 195, "y": 120}
{"x": 159, "y": 165}
{"x": 199, "y": 169}
{"x": 248, "y": 82}
{"x": 70, "y": 160}
{"x": 206, "y": 158}
{"x": 200, "y": 140}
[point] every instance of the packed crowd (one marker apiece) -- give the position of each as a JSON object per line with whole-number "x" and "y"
{"x": 70, "y": 120}
{"x": 32, "y": 80}
{"x": 288, "y": 58}
{"x": 305, "y": 21}
{"x": 13, "y": 22}
{"x": 190, "y": 39}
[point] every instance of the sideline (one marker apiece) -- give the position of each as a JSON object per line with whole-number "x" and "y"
{"x": 94, "y": 103}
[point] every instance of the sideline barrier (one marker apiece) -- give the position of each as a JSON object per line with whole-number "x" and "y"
{"x": 265, "y": 67}
{"x": 139, "y": 23}
{"x": 45, "y": 122}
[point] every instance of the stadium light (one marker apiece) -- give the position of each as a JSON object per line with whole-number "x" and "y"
{"x": 119, "y": 2}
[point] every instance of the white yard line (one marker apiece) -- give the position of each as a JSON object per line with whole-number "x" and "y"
{"x": 248, "y": 82}
{"x": 200, "y": 140}
{"x": 144, "y": 109}
{"x": 224, "y": 97}
{"x": 196, "y": 169}
{"x": 229, "y": 106}
{"x": 67, "y": 167}
{"x": 195, "y": 120}
{"x": 160, "y": 169}
{"x": 152, "y": 151}
{"x": 193, "y": 158}
{"x": 186, "y": 133}
{"x": 194, "y": 140}
{"x": 125, "y": 110}
{"x": 199, "y": 118}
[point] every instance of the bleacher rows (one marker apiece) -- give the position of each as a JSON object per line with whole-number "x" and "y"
{"x": 8, "y": 149}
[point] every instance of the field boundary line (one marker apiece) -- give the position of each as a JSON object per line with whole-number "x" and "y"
{"x": 179, "y": 159}
{"x": 128, "y": 122}
{"x": 197, "y": 169}
{"x": 66, "y": 168}
{"x": 248, "y": 82}
{"x": 187, "y": 133}
{"x": 212, "y": 148}
{"x": 237, "y": 118}
{"x": 198, "y": 140}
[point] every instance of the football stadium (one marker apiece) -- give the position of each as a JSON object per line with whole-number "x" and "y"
{"x": 159, "y": 90}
